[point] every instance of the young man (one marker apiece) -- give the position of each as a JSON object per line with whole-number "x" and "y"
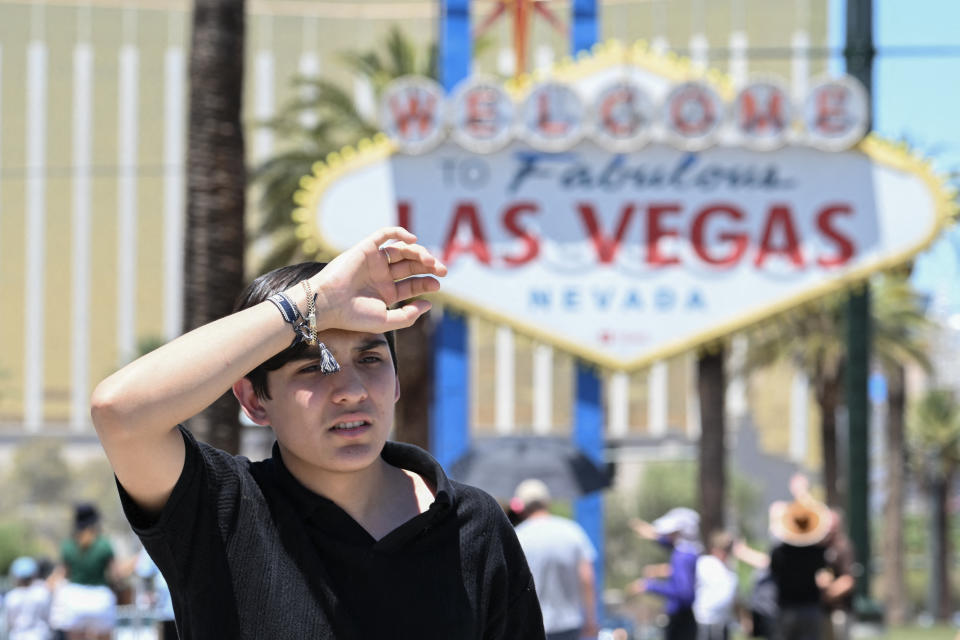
{"x": 339, "y": 534}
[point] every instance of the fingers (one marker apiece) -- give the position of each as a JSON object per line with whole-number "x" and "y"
{"x": 407, "y": 268}
{"x": 407, "y": 314}
{"x": 406, "y": 260}
{"x": 385, "y": 234}
{"x": 412, "y": 287}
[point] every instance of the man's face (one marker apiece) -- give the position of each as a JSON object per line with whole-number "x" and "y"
{"x": 337, "y": 422}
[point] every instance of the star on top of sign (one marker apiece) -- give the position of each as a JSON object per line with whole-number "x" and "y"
{"x": 520, "y": 11}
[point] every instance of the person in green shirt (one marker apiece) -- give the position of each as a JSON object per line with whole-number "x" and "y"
{"x": 84, "y": 605}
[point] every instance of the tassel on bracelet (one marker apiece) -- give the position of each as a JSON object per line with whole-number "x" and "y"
{"x": 305, "y": 328}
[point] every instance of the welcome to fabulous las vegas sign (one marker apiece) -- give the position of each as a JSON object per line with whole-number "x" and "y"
{"x": 626, "y": 207}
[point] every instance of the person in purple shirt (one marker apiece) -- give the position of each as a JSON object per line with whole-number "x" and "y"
{"x": 678, "y": 530}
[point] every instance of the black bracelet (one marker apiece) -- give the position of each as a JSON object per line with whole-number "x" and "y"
{"x": 301, "y": 331}
{"x": 291, "y": 315}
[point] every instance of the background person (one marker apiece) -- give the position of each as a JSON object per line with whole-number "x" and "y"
{"x": 715, "y": 590}
{"x": 836, "y": 582}
{"x": 84, "y": 605}
{"x": 561, "y": 558}
{"x": 158, "y": 595}
{"x": 802, "y": 527}
{"x": 760, "y": 618}
{"x": 677, "y": 530}
{"x": 26, "y": 607}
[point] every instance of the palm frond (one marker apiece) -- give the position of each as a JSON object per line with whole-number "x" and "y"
{"x": 432, "y": 68}
{"x": 933, "y": 430}
{"x": 322, "y": 117}
{"x": 401, "y": 56}
{"x": 285, "y": 248}
{"x": 366, "y": 64}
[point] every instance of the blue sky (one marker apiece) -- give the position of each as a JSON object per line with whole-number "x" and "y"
{"x": 918, "y": 98}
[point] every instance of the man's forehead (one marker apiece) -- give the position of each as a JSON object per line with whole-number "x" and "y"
{"x": 357, "y": 341}
{"x": 344, "y": 339}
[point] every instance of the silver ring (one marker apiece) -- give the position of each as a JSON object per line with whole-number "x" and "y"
{"x": 386, "y": 254}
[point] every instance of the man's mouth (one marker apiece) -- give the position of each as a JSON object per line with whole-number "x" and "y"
{"x": 350, "y": 425}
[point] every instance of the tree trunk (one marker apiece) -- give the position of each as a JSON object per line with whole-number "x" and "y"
{"x": 947, "y": 603}
{"x": 711, "y": 386}
{"x": 216, "y": 183}
{"x": 895, "y": 590}
{"x": 939, "y": 550}
{"x": 828, "y": 389}
{"x": 416, "y": 381}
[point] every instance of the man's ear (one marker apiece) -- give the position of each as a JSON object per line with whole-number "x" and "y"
{"x": 396, "y": 390}
{"x": 243, "y": 390}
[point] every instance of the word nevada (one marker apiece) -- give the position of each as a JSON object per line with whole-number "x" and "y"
{"x": 623, "y": 113}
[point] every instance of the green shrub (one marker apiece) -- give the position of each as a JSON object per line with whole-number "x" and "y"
{"x": 15, "y": 541}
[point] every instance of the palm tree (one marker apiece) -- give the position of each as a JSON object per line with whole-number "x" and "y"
{"x": 711, "y": 388}
{"x": 324, "y": 119}
{"x": 813, "y": 339}
{"x": 934, "y": 436}
{"x": 897, "y": 294}
{"x": 216, "y": 186}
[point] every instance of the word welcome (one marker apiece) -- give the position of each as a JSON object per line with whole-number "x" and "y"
{"x": 623, "y": 115}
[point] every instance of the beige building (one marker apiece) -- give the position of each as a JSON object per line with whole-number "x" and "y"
{"x": 92, "y": 137}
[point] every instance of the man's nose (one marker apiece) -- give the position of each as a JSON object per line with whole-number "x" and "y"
{"x": 348, "y": 385}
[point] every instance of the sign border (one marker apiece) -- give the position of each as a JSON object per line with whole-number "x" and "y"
{"x": 369, "y": 151}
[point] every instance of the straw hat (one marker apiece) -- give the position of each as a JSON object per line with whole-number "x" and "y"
{"x": 800, "y": 524}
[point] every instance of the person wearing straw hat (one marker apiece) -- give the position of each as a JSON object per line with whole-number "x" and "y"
{"x": 801, "y": 527}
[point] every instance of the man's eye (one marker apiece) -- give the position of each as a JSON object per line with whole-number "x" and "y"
{"x": 310, "y": 368}
{"x": 370, "y": 358}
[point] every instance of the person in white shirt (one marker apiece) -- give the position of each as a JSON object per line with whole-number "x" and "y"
{"x": 27, "y": 605}
{"x": 715, "y": 589}
{"x": 159, "y": 595}
{"x": 561, "y": 558}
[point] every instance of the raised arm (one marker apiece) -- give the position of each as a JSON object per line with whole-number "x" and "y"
{"x": 587, "y": 579}
{"x": 643, "y": 529}
{"x": 748, "y": 555}
{"x": 136, "y": 410}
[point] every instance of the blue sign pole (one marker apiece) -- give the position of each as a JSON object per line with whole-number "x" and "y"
{"x": 449, "y": 425}
{"x": 588, "y": 410}
{"x": 584, "y": 31}
{"x": 455, "y": 42}
{"x": 588, "y": 435}
{"x": 450, "y": 435}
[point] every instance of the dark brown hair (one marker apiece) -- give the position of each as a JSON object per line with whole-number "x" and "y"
{"x": 265, "y": 286}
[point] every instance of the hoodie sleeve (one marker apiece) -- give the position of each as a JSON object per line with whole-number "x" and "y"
{"x": 680, "y": 585}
